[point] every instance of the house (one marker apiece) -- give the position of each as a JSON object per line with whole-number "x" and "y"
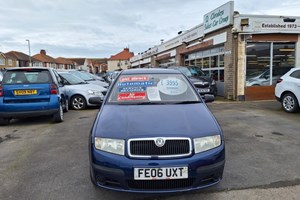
{"x": 64, "y": 63}
{"x": 98, "y": 65}
{"x": 80, "y": 63}
{"x": 47, "y": 61}
{"x": 2, "y": 60}
{"x": 120, "y": 60}
{"x": 19, "y": 59}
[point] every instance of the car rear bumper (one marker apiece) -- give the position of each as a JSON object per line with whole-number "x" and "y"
{"x": 117, "y": 172}
{"x": 23, "y": 114}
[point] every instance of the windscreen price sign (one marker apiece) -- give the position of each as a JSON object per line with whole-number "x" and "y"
{"x": 219, "y": 18}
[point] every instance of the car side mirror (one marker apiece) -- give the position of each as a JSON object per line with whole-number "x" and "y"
{"x": 267, "y": 77}
{"x": 95, "y": 100}
{"x": 208, "y": 98}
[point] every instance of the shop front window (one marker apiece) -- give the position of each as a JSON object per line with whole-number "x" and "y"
{"x": 283, "y": 55}
{"x": 192, "y": 62}
{"x": 206, "y": 62}
{"x": 260, "y": 62}
{"x": 214, "y": 61}
{"x": 199, "y": 62}
{"x": 221, "y": 60}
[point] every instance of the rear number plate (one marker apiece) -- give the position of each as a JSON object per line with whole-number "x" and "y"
{"x": 160, "y": 173}
{"x": 24, "y": 92}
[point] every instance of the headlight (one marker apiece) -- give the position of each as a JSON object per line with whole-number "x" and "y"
{"x": 199, "y": 83}
{"x": 110, "y": 145}
{"x": 207, "y": 143}
{"x": 95, "y": 92}
{"x": 213, "y": 82}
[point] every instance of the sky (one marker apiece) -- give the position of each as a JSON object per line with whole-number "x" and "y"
{"x": 102, "y": 28}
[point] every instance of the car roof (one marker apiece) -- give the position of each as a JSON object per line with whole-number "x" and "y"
{"x": 21, "y": 68}
{"x": 150, "y": 71}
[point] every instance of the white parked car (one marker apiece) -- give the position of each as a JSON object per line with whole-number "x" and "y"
{"x": 287, "y": 90}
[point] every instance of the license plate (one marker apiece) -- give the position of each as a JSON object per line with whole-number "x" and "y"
{"x": 160, "y": 173}
{"x": 203, "y": 90}
{"x": 25, "y": 92}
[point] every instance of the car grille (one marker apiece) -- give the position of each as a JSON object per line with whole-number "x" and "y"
{"x": 202, "y": 85}
{"x": 160, "y": 184}
{"x": 148, "y": 148}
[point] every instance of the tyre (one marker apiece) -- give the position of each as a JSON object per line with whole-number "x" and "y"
{"x": 59, "y": 116}
{"x": 78, "y": 102}
{"x": 66, "y": 105}
{"x": 290, "y": 103}
{"x": 4, "y": 121}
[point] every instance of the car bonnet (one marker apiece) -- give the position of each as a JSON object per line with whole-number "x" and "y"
{"x": 176, "y": 120}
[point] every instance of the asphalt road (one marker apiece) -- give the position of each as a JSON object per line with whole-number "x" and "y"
{"x": 41, "y": 160}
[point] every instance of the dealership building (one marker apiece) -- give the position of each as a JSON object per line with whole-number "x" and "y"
{"x": 245, "y": 54}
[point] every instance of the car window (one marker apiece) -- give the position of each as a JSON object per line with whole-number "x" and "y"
{"x": 146, "y": 88}
{"x": 26, "y": 77}
{"x": 296, "y": 74}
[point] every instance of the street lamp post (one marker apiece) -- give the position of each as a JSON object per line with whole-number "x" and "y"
{"x": 29, "y": 52}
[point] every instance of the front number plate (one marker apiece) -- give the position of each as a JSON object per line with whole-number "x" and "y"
{"x": 203, "y": 90}
{"x": 160, "y": 173}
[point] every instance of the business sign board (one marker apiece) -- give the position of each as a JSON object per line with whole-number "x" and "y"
{"x": 219, "y": 18}
{"x": 268, "y": 24}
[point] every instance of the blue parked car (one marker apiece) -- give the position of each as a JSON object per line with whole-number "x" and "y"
{"x": 30, "y": 92}
{"x": 155, "y": 134}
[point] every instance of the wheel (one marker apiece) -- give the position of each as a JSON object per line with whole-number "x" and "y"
{"x": 290, "y": 103}
{"x": 78, "y": 102}
{"x": 66, "y": 105}
{"x": 59, "y": 116}
{"x": 4, "y": 121}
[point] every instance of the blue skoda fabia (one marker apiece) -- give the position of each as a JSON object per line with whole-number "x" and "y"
{"x": 154, "y": 133}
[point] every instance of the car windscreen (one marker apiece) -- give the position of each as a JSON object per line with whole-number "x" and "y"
{"x": 81, "y": 75}
{"x": 196, "y": 71}
{"x": 152, "y": 88}
{"x": 185, "y": 71}
{"x": 24, "y": 76}
{"x": 73, "y": 80}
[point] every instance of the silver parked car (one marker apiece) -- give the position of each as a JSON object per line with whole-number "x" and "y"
{"x": 88, "y": 78}
{"x": 79, "y": 91}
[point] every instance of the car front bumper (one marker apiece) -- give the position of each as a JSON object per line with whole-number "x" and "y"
{"x": 116, "y": 172}
{"x": 209, "y": 90}
{"x": 88, "y": 97}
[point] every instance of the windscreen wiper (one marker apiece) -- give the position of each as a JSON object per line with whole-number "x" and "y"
{"x": 185, "y": 102}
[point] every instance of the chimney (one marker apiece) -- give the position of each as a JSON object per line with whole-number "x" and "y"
{"x": 43, "y": 52}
